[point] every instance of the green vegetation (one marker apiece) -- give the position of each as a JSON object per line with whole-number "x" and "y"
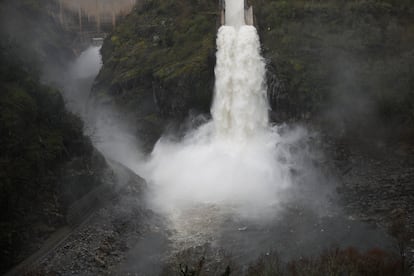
{"x": 346, "y": 64}
{"x": 350, "y": 63}
{"x": 164, "y": 40}
{"x": 45, "y": 161}
{"x": 163, "y": 50}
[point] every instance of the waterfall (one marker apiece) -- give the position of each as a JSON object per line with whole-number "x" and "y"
{"x": 235, "y": 13}
{"x": 240, "y": 106}
{"x": 234, "y": 159}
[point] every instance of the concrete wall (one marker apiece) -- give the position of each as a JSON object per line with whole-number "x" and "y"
{"x": 93, "y": 15}
{"x": 248, "y": 13}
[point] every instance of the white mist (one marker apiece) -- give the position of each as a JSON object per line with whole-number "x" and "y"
{"x": 103, "y": 124}
{"x": 88, "y": 64}
{"x": 236, "y": 161}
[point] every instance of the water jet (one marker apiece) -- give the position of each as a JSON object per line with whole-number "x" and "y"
{"x": 244, "y": 12}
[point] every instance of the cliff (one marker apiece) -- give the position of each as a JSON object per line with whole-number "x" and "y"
{"x": 345, "y": 65}
{"x": 159, "y": 63}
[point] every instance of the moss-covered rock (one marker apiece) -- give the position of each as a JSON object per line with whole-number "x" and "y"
{"x": 159, "y": 62}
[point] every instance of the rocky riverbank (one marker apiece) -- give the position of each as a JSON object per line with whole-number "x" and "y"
{"x": 376, "y": 186}
{"x": 125, "y": 237}
{"x": 101, "y": 244}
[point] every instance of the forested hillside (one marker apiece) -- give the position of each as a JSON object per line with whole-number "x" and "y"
{"x": 46, "y": 162}
{"x": 348, "y": 63}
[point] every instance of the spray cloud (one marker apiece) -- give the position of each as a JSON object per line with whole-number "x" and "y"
{"x": 237, "y": 160}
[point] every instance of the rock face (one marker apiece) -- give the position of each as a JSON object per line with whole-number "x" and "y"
{"x": 159, "y": 62}
{"x": 348, "y": 65}
{"x": 378, "y": 190}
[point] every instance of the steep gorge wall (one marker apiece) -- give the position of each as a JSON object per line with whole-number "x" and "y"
{"x": 46, "y": 163}
{"x": 159, "y": 63}
{"x": 347, "y": 65}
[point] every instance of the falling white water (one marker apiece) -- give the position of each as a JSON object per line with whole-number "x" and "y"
{"x": 227, "y": 182}
{"x": 235, "y": 13}
{"x": 240, "y": 108}
{"x": 236, "y": 160}
{"x": 88, "y": 64}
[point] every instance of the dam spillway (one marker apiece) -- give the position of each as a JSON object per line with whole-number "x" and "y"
{"x": 242, "y": 13}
